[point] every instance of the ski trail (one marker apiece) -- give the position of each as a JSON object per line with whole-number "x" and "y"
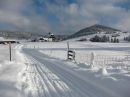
{"x": 42, "y": 82}
{"x": 37, "y": 82}
{"x": 53, "y": 85}
{"x": 86, "y": 88}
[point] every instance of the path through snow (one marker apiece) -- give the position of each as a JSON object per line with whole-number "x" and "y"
{"x": 52, "y": 78}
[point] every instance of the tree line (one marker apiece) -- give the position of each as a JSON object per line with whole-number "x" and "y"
{"x": 104, "y": 38}
{"x": 127, "y": 38}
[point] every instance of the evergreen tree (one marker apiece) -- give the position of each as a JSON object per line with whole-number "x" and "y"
{"x": 124, "y": 38}
{"x": 104, "y": 38}
{"x": 95, "y": 39}
{"x": 112, "y": 40}
{"x": 108, "y": 39}
{"x": 117, "y": 40}
{"x": 127, "y": 38}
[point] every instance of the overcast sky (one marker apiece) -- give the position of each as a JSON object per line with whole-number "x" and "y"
{"x": 63, "y": 16}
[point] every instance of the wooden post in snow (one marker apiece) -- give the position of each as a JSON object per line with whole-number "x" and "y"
{"x": 68, "y": 50}
{"x": 10, "y": 51}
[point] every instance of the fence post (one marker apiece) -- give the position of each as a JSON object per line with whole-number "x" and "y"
{"x": 68, "y": 50}
{"x": 92, "y": 59}
{"x": 10, "y": 51}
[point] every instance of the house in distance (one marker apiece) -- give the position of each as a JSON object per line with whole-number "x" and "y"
{"x": 6, "y": 41}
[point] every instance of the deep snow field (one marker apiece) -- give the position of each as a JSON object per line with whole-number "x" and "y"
{"x": 42, "y": 70}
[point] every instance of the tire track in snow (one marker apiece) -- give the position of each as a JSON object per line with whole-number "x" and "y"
{"x": 52, "y": 83}
{"x": 47, "y": 83}
{"x": 74, "y": 85}
{"x": 53, "y": 87}
{"x": 92, "y": 89}
{"x": 59, "y": 83}
{"x": 76, "y": 92}
{"x": 43, "y": 90}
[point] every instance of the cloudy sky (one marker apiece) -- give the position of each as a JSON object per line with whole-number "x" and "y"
{"x": 63, "y": 16}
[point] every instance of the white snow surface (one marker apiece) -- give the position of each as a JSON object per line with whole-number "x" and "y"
{"x": 9, "y": 71}
{"x": 42, "y": 70}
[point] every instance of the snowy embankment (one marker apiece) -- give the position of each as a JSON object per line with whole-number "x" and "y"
{"x": 9, "y": 71}
{"x": 51, "y": 75}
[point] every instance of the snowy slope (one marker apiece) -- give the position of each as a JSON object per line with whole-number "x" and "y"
{"x": 88, "y": 37}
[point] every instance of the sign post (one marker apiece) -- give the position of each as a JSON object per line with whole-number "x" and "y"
{"x": 10, "y": 51}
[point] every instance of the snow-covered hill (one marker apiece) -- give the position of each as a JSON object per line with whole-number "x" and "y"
{"x": 94, "y": 30}
{"x": 119, "y": 35}
{"x": 100, "y": 30}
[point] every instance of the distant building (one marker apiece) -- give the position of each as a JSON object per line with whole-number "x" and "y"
{"x": 50, "y": 37}
{"x": 45, "y": 39}
{"x": 6, "y": 41}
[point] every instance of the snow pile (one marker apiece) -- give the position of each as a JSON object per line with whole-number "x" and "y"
{"x": 104, "y": 71}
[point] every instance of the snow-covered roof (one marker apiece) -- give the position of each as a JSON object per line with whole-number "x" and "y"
{"x": 3, "y": 39}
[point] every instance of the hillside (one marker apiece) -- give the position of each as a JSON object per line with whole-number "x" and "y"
{"x": 93, "y": 30}
{"x": 88, "y": 37}
{"x": 18, "y": 35}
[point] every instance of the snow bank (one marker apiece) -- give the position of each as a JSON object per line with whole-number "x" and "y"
{"x": 104, "y": 71}
{"x": 9, "y": 72}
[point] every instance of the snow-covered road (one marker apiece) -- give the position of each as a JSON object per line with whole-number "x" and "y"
{"x": 53, "y": 78}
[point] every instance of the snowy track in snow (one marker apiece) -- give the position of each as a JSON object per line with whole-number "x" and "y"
{"x": 50, "y": 78}
{"x": 44, "y": 83}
